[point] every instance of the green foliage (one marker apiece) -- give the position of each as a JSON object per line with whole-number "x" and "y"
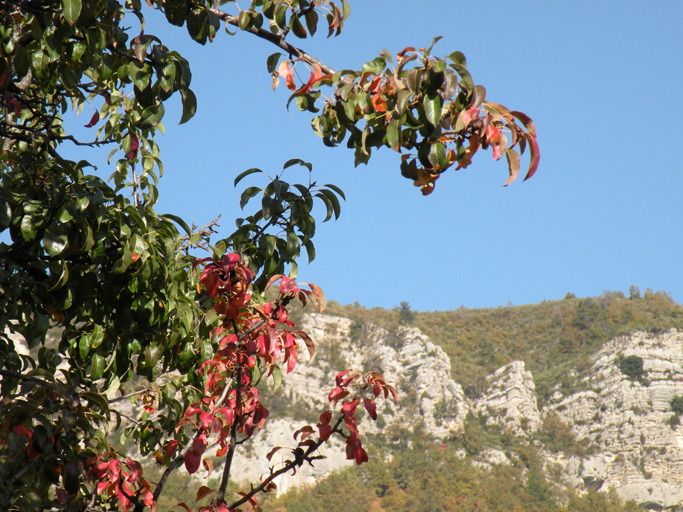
{"x": 92, "y": 258}
{"x": 677, "y": 405}
{"x": 557, "y": 436}
{"x": 632, "y": 367}
{"x": 406, "y": 315}
{"x": 423, "y": 475}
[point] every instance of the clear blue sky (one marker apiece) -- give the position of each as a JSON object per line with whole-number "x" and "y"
{"x": 603, "y": 83}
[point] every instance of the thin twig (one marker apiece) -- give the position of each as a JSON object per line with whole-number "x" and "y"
{"x": 220, "y": 497}
{"x": 297, "y": 462}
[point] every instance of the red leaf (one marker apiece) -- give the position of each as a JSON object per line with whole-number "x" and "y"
{"x": 306, "y": 430}
{"x": 378, "y": 103}
{"x": 392, "y": 391}
{"x": 370, "y": 407}
{"x": 308, "y": 341}
{"x": 134, "y": 145}
{"x": 324, "y": 432}
{"x": 513, "y": 165}
{"x": 340, "y": 376}
{"x": 273, "y": 279}
{"x": 203, "y": 492}
{"x": 101, "y": 486}
{"x": 337, "y": 394}
{"x": 93, "y": 120}
{"x": 315, "y": 76}
{"x": 284, "y": 70}
{"x": 272, "y": 452}
{"x": 292, "y": 354}
{"x": 526, "y": 121}
{"x": 62, "y": 496}
{"x": 19, "y": 430}
{"x": 325, "y": 418}
{"x": 192, "y": 461}
{"x": 492, "y": 135}
{"x": 535, "y": 156}
{"x": 181, "y": 504}
{"x": 288, "y": 286}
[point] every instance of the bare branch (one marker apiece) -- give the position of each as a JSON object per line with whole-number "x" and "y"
{"x": 276, "y": 40}
{"x": 205, "y": 231}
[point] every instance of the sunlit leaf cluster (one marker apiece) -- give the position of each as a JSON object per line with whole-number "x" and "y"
{"x": 427, "y": 106}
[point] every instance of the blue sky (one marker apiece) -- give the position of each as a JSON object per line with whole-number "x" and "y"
{"x": 603, "y": 83}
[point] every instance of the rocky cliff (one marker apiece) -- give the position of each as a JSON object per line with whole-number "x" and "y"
{"x": 608, "y": 431}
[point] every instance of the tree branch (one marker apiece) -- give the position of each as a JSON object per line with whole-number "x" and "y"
{"x": 297, "y": 462}
{"x": 276, "y": 40}
{"x": 220, "y": 497}
{"x": 17, "y": 375}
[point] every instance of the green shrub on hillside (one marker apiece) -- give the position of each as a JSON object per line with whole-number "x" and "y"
{"x": 677, "y": 405}
{"x": 632, "y": 367}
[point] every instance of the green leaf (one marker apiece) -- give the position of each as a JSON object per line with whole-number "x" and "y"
{"x": 393, "y": 135}
{"x": 277, "y": 377}
{"x": 97, "y": 367}
{"x": 176, "y": 12}
{"x": 328, "y": 204}
{"x": 339, "y": 191}
{"x": 55, "y": 240}
{"x": 39, "y": 62}
{"x": 513, "y": 165}
{"x": 198, "y": 25}
{"x": 177, "y": 220}
{"x": 295, "y": 161}
{"x": 84, "y": 345}
{"x": 96, "y": 399}
{"x": 432, "y": 106}
{"x": 478, "y": 96}
{"x": 243, "y": 19}
{"x": 375, "y": 66}
{"x": 97, "y": 336}
{"x": 267, "y": 245}
{"x": 28, "y": 228}
{"x": 297, "y": 28}
{"x": 335, "y": 202}
{"x": 71, "y": 9}
{"x": 437, "y": 156}
{"x": 5, "y": 214}
{"x": 272, "y": 62}
{"x": 189, "y": 105}
{"x": 151, "y": 116}
{"x": 268, "y": 207}
{"x": 310, "y": 250}
{"x": 346, "y": 10}
{"x": 402, "y": 101}
{"x": 292, "y": 244}
{"x": 248, "y": 194}
{"x": 458, "y": 58}
{"x": 246, "y": 173}
{"x": 312, "y": 22}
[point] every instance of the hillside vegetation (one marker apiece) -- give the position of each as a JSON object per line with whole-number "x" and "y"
{"x": 552, "y": 337}
{"x": 408, "y": 471}
{"x": 425, "y": 476}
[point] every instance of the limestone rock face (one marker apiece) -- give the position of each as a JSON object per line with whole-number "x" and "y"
{"x": 509, "y": 399}
{"x": 624, "y": 424}
{"x": 640, "y": 455}
{"x": 407, "y": 359}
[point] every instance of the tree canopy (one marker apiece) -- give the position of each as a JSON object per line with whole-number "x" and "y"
{"x": 136, "y": 314}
